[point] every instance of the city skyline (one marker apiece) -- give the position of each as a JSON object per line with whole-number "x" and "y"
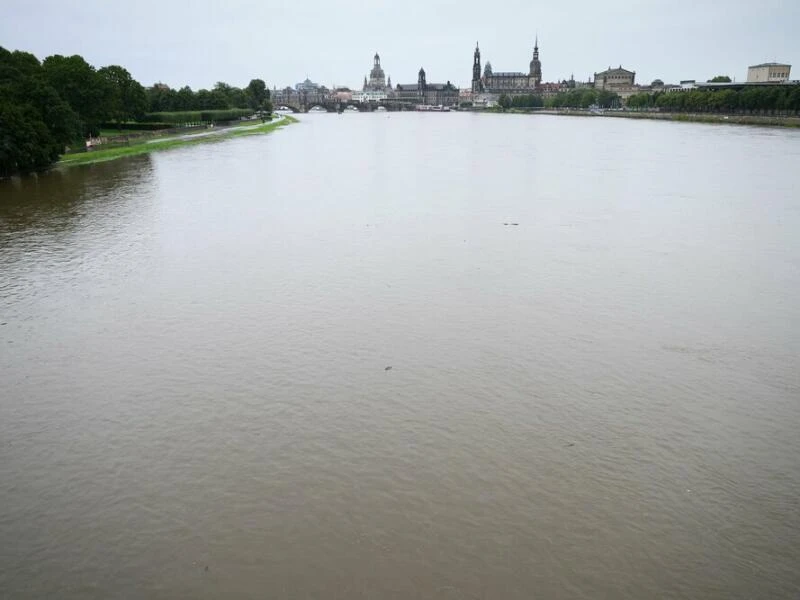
{"x": 200, "y": 44}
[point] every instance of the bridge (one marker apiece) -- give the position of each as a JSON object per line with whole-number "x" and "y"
{"x": 339, "y": 106}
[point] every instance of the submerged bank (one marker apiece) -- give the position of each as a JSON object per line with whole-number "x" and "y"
{"x": 150, "y": 145}
{"x": 771, "y": 121}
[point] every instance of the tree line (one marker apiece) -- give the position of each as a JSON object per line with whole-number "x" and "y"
{"x": 256, "y": 96}
{"x": 577, "y": 98}
{"x": 775, "y": 98}
{"x": 49, "y": 106}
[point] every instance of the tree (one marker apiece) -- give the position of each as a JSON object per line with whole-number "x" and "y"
{"x": 504, "y": 101}
{"x": 257, "y": 93}
{"x": 127, "y": 99}
{"x": 720, "y": 79}
{"x": 77, "y": 82}
{"x": 35, "y": 123}
{"x": 25, "y": 142}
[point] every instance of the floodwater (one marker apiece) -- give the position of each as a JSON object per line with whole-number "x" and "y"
{"x": 593, "y": 326}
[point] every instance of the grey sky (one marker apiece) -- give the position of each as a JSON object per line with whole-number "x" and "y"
{"x": 332, "y": 41}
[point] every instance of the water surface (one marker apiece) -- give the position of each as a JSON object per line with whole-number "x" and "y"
{"x": 593, "y": 327}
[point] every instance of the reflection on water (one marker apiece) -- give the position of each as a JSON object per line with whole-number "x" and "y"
{"x": 601, "y": 401}
{"x": 55, "y": 197}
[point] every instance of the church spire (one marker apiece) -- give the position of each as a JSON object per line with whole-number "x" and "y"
{"x": 476, "y": 68}
{"x": 535, "y": 71}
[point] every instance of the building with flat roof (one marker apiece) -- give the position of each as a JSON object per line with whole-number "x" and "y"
{"x": 771, "y": 72}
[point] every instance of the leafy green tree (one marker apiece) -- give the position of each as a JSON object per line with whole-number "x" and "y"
{"x": 77, "y": 82}
{"x": 527, "y": 101}
{"x": 720, "y": 79}
{"x": 504, "y": 101}
{"x": 257, "y": 93}
{"x": 25, "y": 142}
{"x": 35, "y": 123}
{"x": 127, "y": 99}
{"x": 184, "y": 99}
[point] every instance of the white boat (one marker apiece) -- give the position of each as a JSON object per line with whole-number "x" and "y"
{"x": 381, "y": 108}
{"x": 432, "y": 108}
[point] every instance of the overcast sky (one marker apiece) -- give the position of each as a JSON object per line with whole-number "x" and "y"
{"x": 200, "y": 42}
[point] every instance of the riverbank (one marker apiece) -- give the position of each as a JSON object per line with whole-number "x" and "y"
{"x": 154, "y": 145}
{"x": 767, "y": 121}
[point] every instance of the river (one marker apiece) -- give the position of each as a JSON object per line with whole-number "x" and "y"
{"x": 593, "y": 329}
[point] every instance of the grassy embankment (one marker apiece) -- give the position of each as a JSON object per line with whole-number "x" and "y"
{"x": 763, "y": 120}
{"x": 172, "y": 130}
{"x": 149, "y": 145}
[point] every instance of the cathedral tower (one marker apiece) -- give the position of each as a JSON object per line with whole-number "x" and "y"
{"x": 536, "y": 65}
{"x": 377, "y": 78}
{"x": 476, "y": 70}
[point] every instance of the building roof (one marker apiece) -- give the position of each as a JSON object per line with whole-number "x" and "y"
{"x": 734, "y": 85}
{"x": 428, "y": 86}
{"x": 617, "y": 70}
{"x": 508, "y": 74}
{"x": 770, "y": 64}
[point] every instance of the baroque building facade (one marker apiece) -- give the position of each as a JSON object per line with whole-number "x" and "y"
{"x": 377, "y": 78}
{"x": 620, "y": 81}
{"x": 506, "y": 82}
{"x": 422, "y": 92}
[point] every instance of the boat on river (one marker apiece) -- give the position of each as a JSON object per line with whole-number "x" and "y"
{"x": 432, "y": 108}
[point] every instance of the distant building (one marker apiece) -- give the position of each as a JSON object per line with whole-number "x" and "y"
{"x": 369, "y": 95}
{"x": 619, "y": 80}
{"x": 342, "y": 94}
{"x": 506, "y": 82}
{"x": 377, "y": 78}
{"x": 303, "y": 93}
{"x": 614, "y": 79}
{"x": 768, "y": 73}
{"x": 306, "y": 86}
{"x": 423, "y": 92}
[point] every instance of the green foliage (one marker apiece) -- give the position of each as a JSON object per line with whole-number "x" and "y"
{"x": 161, "y": 98}
{"x": 784, "y": 98}
{"x": 257, "y": 94}
{"x": 87, "y": 92}
{"x": 45, "y": 107}
{"x": 35, "y": 123}
{"x": 584, "y": 98}
{"x": 145, "y": 147}
{"x": 720, "y": 79}
{"x": 120, "y": 127}
{"x": 504, "y": 101}
{"x": 527, "y": 101}
{"x": 26, "y": 144}
{"x": 127, "y": 98}
{"x": 198, "y": 116}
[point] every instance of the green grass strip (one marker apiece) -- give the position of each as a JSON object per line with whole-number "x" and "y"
{"x": 95, "y": 156}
